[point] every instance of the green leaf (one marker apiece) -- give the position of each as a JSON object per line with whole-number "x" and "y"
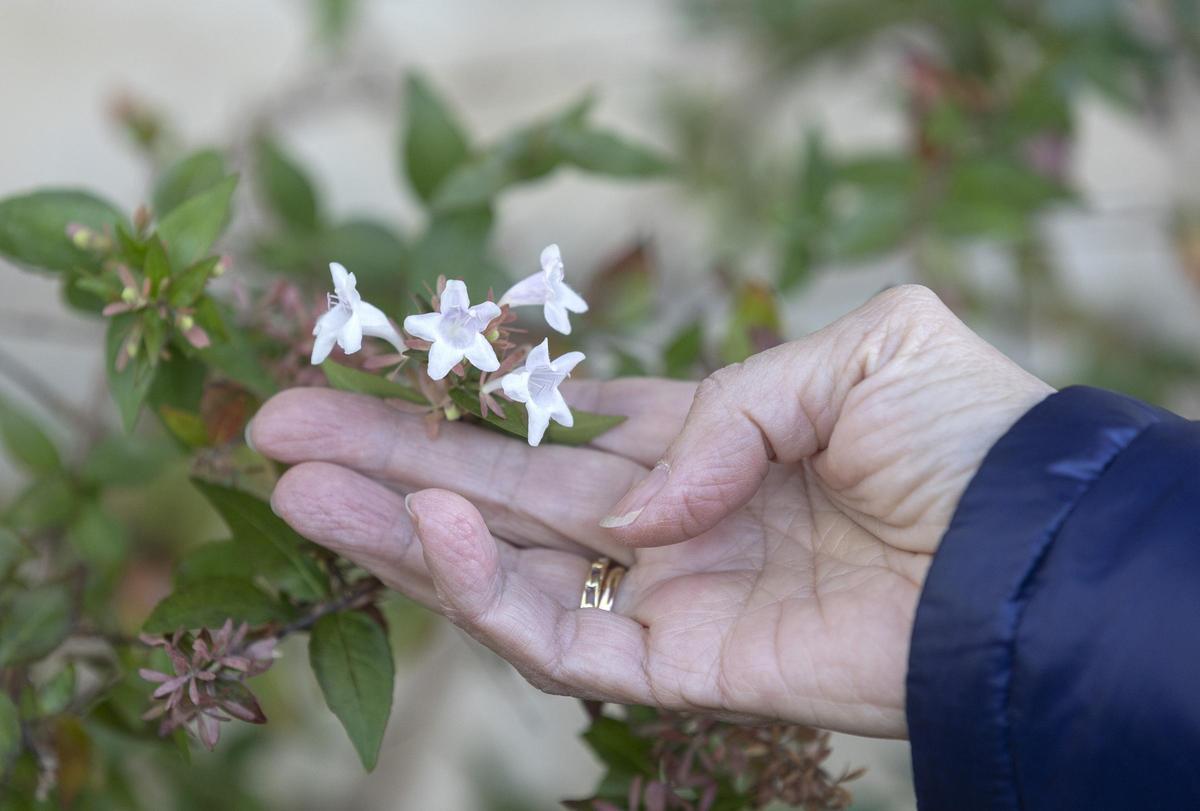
{"x": 455, "y": 244}
{"x": 10, "y": 732}
{"x": 609, "y": 154}
{"x": 12, "y": 551}
{"x": 33, "y": 623}
{"x": 186, "y": 426}
{"x": 215, "y": 559}
{"x": 25, "y": 440}
{"x": 352, "y": 660}
{"x": 129, "y": 386}
{"x": 47, "y": 503}
{"x": 56, "y": 694}
{"x": 191, "y": 228}
{"x": 434, "y": 143}
{"x": 274, "y": 549}
{"x": 334, "y": 18}
{"x": 188, "y": 285}
{"x": 157, "y": 266}
{"x": 285, "y": 188}
{"x": 33, "y": 227}
{"x": 515, "y": 421}
{"x": 98, "y": 537}
{"x": 618, "y": 748}
{"x": 347, "y": 379}
{"x": 127, "y": 460}
{"x": 186, "y": 178}
{"x": 208, "y": 602}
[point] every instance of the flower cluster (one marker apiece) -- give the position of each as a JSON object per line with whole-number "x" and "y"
{"x": 206, "y": 686}
{"x": 457, "y": 335}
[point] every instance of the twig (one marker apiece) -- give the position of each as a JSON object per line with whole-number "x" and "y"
{"x": 362, "y": 590}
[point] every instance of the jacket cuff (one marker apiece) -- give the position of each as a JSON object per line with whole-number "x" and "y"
{"x": 964, "y": 635}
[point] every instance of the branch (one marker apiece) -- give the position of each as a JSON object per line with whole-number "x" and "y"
{"x": 357, "y": 596}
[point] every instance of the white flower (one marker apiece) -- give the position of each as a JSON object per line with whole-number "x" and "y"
{"x": 456, "y": 332}
{"x": 548, "y": 289}
{"x": 536, "y": 385}
{"x": 349, "y": 319}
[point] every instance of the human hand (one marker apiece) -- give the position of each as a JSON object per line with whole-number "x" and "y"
{"x": 776, "y": 554}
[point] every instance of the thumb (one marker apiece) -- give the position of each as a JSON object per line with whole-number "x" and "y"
{"x": 777, "y": 406}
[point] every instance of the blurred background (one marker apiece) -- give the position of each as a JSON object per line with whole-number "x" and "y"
{"x": 1034, "y": 162}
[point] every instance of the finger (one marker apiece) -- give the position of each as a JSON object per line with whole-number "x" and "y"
{"x": 780, "y": 405}
{"x": 582, "y": 652}
{"x": 655, "y": 408}
{"x": 546, "y": 496}
{"x": 367, "y": 523}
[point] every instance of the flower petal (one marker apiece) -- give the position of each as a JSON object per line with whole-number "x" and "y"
{"x": 322, "y": 346}
{"x": 539, "y": 420}
{"x": 559, "y": 411}
{"x": 551, "y": 258}
{"x": 351, "y": 335}
{"x": 442, "y": 358}
{"x": 377, "y": 325}
{"x": 454, "y": 296}
{"x": 516, "y": 386}
{"x": 571, "y": 300}
{"x": 481, "y": 355}
{"x": 530, "y": 290}
{"x": 485, "y": 312}
{"x": 423, "y": 326}
{"x": 341, "y": 278}
{"x": 539, "y": 356}
{"x": 557, "y": 318}
{"x": 566, "y": 363}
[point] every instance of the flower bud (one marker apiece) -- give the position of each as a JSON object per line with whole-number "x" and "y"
{"x": 129, "y": 295}
{"x": 185, "y": 322}
{"x": 452, "y": 413}
{"x": 221, "y": 267}
{"x": 493, "y": 336}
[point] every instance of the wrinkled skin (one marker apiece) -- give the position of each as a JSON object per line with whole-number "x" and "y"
{"x": 774, "y": 575}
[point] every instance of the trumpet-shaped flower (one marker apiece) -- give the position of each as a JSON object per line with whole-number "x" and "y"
{"x": 536, "y": 385}
{"x": 547, "y": 288}
{"x": 456, "y": 332}
{"x": 349, "y": 319}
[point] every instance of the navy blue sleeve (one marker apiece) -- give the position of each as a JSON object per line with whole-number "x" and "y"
{"x": 1055, "y": 659}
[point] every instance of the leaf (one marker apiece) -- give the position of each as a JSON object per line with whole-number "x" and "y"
{"x": 98, "y": 537}
{"x": 47, "y": 503}
{"x": 215, "y": 559}
{"x": 609, "y": 154}
{"x": 434, "y": 144}
{"x": 33, "y": 227}
{"x": 285, "y": 188}
{"x": 25, "y": 440}
{"x": 186, "y": 426}
{"x": 455, "y": 244}
{"x": 10, "y": 732}
{"x": 12, "y": 551}
{"x": 682, "y": 354}
{"x": 187, "y": 178}
{"x": 275, "y": 550}
{"x": 352, "y": 660}
{"x": 127, "y": 460}
{"x": 618, "y": 748}
{"x": 191, "y": 228}
{"x": 375, "y": 254}
{"x": 208, "y": 602}
{"x": 56, "y": 694}
{"x": 33, "y": 623}
{"x": 129, "y": 386}
{"x": 587, "y": 427}
{"x": 333, "y": 20}
{"x": 346, "y": 379}
{"x": 188, "y": 285}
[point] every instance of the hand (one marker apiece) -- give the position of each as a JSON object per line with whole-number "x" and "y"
{"x": 777, "y": 540}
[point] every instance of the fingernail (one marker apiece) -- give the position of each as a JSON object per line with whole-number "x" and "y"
{"x": 631, "y": 505}
{"x": 246, "y": 436}
{"x": 408, "y": 508}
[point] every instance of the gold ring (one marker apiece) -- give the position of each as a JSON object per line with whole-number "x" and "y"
{"x": 600, "y": 588}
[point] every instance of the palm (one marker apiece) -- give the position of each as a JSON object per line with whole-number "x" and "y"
{"x": 788, "y": 607}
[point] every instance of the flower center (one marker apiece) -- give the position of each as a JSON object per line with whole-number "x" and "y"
{"x": 459, "y": 328}
{"x": 542, "y": 384}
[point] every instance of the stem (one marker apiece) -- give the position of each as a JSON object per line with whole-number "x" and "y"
{"x": 362, "y": 590}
